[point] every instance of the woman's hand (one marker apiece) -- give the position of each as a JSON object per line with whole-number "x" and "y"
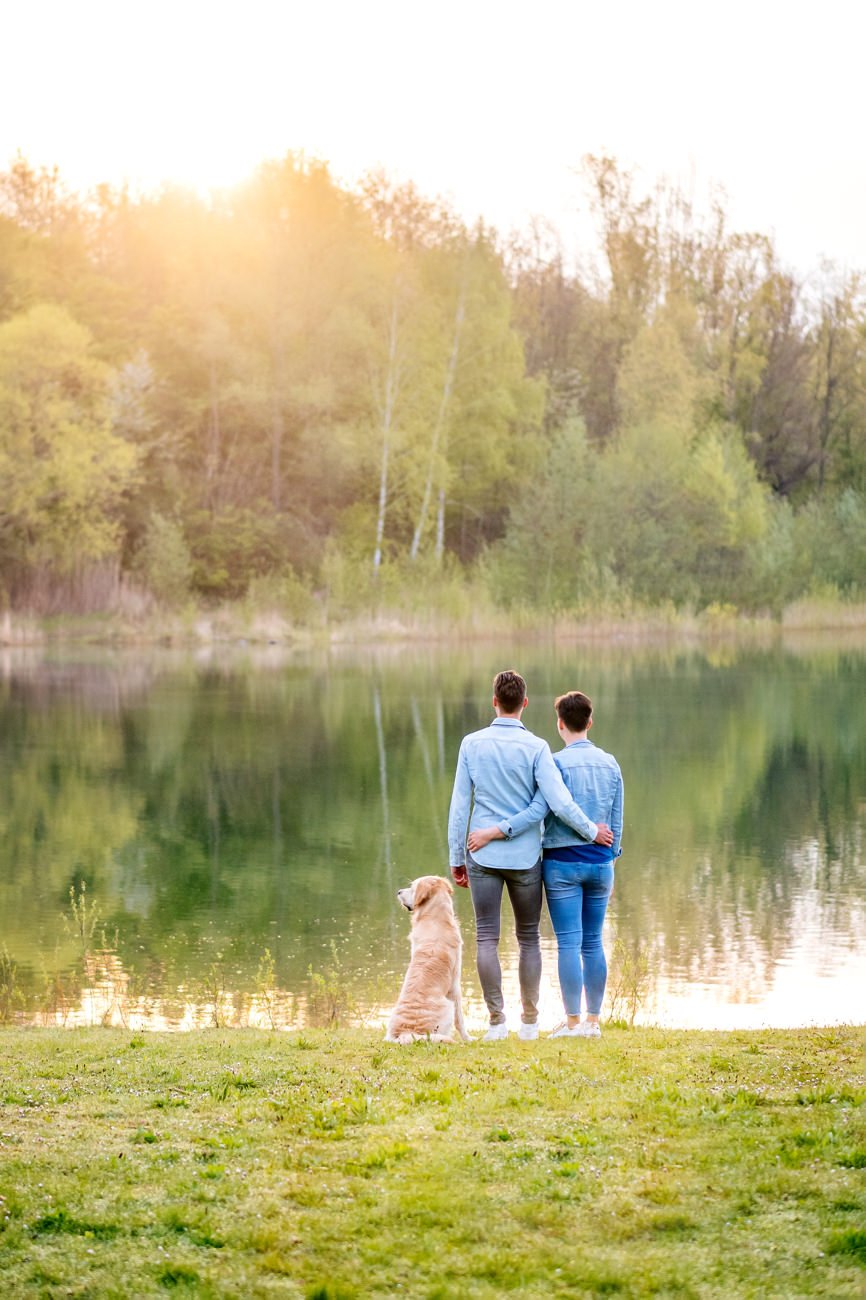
{"x": 478, "y": 839}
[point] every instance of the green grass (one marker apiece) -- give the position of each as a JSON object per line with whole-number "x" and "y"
{"x": 244, "y": 1164}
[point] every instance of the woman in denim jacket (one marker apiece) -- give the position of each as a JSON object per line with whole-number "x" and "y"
{"x": 578, "y": 877}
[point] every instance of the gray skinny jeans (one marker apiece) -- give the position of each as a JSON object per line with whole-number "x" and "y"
{"x": 524, "y": 891}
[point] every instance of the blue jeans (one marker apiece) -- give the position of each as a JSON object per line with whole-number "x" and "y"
{"x": 577, "y": 894}
{"x": 524, "y": 891}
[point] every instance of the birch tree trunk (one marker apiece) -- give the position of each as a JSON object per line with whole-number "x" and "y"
{"x": 392, "y": 385}
{"x": 277, "y": 431}
{"x": 440, "y": 527}
{"x": 439, "y": 426}
{"x": 278, "y": 388}
{"x": 214, "y": 450}
{"x": 825, "y": 420}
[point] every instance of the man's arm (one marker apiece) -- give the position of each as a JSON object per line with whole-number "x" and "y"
{"x": 478, "y": 839}
{"x": 458, "y": 818}
{"x": 571, "y": 813}
{"x": 549, "y": 780}
{"x": 510, "y": 826}
{"x": 520, "y": 822}
{"x": 616, "y": 815}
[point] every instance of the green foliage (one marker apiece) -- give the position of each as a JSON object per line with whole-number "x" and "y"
{"x": 831, "y": 532}
{"x": 163, "y": 560}
{"x": 780, "y": 571}
{"x": 64, "y": 470}
{"x": 266, "y": 985}
{"x": 284, "y": 593}
{"x": 405, "y": 593}
{"x": 851, "y": 1243}
{"x": 545, "y": 558}
{"x": 628, "y": 981}
{"x": 231, "y": 547}
{"x": 331, "y": 1001}
{"x": 301, "y": 379}
{"x": 657, "y": 515}
{"x": 11, "y": 997}
{"x": 82, "y": 916}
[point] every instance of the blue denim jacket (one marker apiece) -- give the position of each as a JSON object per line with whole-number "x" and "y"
{"x": 504, "y": 766}
{"x": 593, "y": 777}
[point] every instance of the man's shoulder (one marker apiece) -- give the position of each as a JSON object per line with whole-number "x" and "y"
{"x": 527, "y": 738}
{"x": 475, "y": 735}
{"x": 530, "y": 735}
{"x": 585, "y": 756}
{"x": 508, "y": 735}
{"x": 475, "y": 738}
{"x": 603, "y": 758}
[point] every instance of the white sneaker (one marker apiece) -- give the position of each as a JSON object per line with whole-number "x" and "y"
{"x": 527, "y": 1032}
{"x": 564, "y": 1031}
{"x": 589, "y": 1029}
{"x": 496, "y": 1033}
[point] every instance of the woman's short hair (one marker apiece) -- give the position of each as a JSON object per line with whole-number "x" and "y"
{"x": 574, "y": 709}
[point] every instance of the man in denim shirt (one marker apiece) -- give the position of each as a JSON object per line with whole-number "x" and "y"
{"x": 500, "y": 770}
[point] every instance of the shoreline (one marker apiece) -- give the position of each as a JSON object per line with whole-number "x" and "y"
{"x": 362, "y": 1027}
{"x": 231, "y": 625}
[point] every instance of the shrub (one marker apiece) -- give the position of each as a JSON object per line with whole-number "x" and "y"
{"x": 231, "y": 547}
{"x": 163, "y": 561}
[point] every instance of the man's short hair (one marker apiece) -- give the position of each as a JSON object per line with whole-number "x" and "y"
{"x": 509, "y": 688}
{"x": 575, "y": 710}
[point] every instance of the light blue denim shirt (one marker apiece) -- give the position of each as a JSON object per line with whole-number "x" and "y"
{"x": 592, "y": 776}
{"x": 504, "y": 766}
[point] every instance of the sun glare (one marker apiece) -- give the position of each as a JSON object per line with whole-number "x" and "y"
{"x": 491, "y": 105}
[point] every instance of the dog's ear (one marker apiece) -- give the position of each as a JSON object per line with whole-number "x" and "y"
{"x": 424, "y": 887}
{"x": 436, "y": 885}
{"x": 427, "y": 886}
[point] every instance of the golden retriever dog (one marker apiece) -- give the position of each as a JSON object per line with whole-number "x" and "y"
{"x": 429, "y": 1004}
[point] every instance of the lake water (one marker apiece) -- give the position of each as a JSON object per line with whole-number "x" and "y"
{"x": 190, "y": 839}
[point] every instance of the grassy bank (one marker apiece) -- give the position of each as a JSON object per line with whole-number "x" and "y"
{"x": 467, "y": 619}
{"x": 333, "y": 1165}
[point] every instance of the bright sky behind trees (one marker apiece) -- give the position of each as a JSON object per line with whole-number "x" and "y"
{"x": 492, "y": 103}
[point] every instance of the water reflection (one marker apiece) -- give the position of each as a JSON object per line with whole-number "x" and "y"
{"x": 226, "y": 805}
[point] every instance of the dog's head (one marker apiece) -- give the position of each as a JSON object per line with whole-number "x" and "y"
{"x": 422, "y": 890}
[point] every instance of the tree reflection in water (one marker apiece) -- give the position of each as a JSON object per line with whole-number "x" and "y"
{"x": 218, "y": 806}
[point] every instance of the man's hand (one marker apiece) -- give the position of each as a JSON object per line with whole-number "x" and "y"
{"x": 604, "y": 835}
{"x": 478, "y": 839}
{"x": 460, "y": 877}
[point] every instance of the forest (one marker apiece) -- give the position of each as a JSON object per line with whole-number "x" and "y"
{"x": 333, "y": 400}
